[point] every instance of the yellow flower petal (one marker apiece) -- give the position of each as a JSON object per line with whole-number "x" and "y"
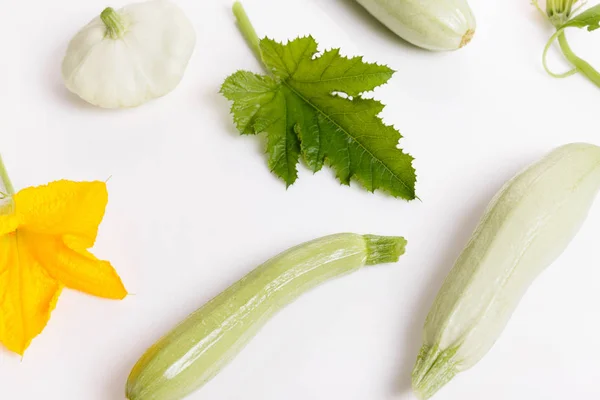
{"x": 8, "y": 223}
{"x": 27, "y": 294}
{"x": 63, "y": 207}
{"x": 74, "y": 267}
{"x": 44, "y": 239}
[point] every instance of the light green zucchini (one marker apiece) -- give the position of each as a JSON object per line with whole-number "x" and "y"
{"x": 196, "y": 350}
{"x": 525, "y": 228}
{"x": 439, "y": 25}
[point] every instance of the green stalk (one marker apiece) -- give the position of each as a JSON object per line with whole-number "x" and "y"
{"x": 10, "y": 190}
{"x": 545, "y": 61}
{"x": 559, "y": 11}
{"x": 247, "y": 29}
{"x": 580, "y": 64}
{"x": 115, "y": 25}
{"x": 433, "y": 370}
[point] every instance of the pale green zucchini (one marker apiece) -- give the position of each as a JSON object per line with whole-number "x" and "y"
{"x": 196, "y": 350}
{"x": 526, "y": 227}
{"x": 438, "y": 25}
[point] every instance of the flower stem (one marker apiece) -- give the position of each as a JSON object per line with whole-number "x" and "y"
{"x": 580, "y": 64}
{"x": 545, "y": 62}
{"x": 579, "y": 7}
{"x": 536, "y": 4}
{"x": 247, "y": 29}
{"x": 115, "y": 26}
{"x": 5, "y": 180}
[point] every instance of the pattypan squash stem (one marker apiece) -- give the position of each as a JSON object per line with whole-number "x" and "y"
{"x": 115, "y": 26}
{"x": 580, "y": 64}
{"x": 8, "y": 187}
{"x": 247, "y": 29}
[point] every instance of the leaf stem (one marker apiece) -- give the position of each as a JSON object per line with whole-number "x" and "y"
{"x": 545, "y": 61}
{"x": 247, "y": 29}
{"x": 5, "y": 180}
{"x": 580, "y": 64}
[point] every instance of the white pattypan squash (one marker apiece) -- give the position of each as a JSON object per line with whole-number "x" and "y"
{"x": 127, "y": 57}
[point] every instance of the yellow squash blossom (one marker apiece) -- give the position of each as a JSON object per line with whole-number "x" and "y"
{"x": 45, "y": 232}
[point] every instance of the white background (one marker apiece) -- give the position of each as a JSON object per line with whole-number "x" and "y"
{"x": 193, "y": 207}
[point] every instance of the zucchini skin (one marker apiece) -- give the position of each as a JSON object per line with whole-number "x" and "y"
{"x": 200, "y": 346}
{"x": 438, "y": 25}
{"x": 527, "y": 225}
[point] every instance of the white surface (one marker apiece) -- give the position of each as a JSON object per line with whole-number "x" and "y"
{"x": 193, "y": 207}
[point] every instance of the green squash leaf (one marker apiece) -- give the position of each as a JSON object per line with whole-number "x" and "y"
{"x": 312, "y": 107}
{"x": 589, "y": 19}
